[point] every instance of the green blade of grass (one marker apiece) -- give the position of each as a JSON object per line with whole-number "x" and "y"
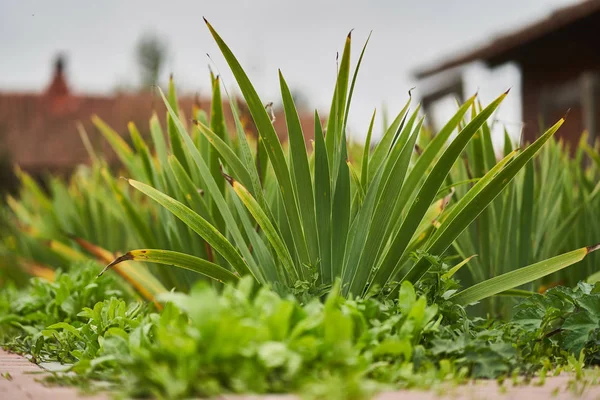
{"x": 354, "y": 77}
{"x": 237, "y": 167}
{"x": 265, "y": 223}
{"x": 246, "y": 154}
{"x": 188, "y": 189}
{"x": 300, "y": 170}
{"x": 526, "y": 212}
{"x": 142, "y": 149}
{"x": 34, "y": 188}
{"x": 458, "y": 266}
{"x": 390, "y": 189}
{"x": 335, "y": 122}
{"x": 158, "y": 139}
{"x": 488, "y": 146}
{"x": 217, "y": 126}
{"x": 272, "y": 145}
{"x": 213, "y": 190}
{"x": 516, "y": 293}
{"x": 427, "y": 158}
{"x": 176, "y": 259}
{"x": 198, "y": 224}
{"x": 484, "y": 192}
{"x": 118, "y": 144}
{"x": 364, "y": 175}
{"x": 131, "y": 212}
{"x": 428, "y": 191}
{"x": 270, "y": 268}
{"x": 384, "y": 145}
{"x": 358, "y": 189}
{"x": 174, "y": 139}
{"x": 521, "y": 276}
{"x": 322, "y": 195}
{"x": 340, "y": 213}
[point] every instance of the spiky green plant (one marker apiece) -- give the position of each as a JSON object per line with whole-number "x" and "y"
{"x": 56, "y": 229}
{"x": 544, "y": 212}
{"x": 315, "y": 219}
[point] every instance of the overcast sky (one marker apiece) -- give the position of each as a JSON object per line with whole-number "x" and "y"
{"x": 300, "y": 37}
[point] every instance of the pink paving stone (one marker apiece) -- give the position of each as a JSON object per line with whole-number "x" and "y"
{"x": 23, "y": 383}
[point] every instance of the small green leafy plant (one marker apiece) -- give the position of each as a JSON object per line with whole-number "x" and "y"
{"x": 568, "y": 319}
{"x": 246, "y": 339}
{"x": 49, "y": 320}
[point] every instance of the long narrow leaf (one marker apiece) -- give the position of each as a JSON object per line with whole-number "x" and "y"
{"x": 179, "y": 260}
{"x": 521, "y": 276}
{"x": 198, "y": 224}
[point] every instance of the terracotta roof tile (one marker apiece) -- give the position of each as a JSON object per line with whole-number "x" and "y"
{"x": 40, "y": 130}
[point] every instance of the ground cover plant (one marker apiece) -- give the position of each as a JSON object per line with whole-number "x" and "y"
{"x": 318, "y": 269}
{"x": 245, "y": 339}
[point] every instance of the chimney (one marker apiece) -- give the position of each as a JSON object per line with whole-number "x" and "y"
{"x": 58, "y": 87}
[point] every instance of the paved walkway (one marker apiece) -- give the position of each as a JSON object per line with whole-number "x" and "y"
{"x": 19, "y": 380}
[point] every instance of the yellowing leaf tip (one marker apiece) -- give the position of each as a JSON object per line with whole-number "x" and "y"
{"x": 593, "y": 248}
{"x": 125, "y": 257}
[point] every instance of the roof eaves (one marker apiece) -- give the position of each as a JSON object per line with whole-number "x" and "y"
{"x": 504, "y": 43}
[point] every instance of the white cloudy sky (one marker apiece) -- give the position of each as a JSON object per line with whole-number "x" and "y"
{"x": 300, "y": 37}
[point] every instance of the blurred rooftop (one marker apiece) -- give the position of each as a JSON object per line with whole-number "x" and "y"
{"x": 40, "y": 130}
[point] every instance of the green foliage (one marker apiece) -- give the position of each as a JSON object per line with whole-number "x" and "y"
{"x": 249, "y": 339}
{"x": 543, "y": 213}
{"x": 563, "y": 318}
{"x": 368, "y": 226}
{"x": 206, "y": 343}
{"x": 335, "y": 262}
{"x": 302, "y": 220}
{"x": 43, "y": 318}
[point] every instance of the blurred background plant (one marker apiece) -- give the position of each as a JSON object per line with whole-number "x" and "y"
{"x": 151, "y": 55}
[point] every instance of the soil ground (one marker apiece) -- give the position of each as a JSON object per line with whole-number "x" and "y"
{"x": 19, "y": 380}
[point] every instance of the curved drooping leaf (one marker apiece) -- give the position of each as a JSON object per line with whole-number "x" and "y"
{"x": 180, "y": 260}
{"x": 208, "y": 232}
{"x": 520, "y": 276}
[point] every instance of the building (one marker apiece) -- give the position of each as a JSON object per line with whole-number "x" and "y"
{"x": 559, "y": 62}
{"x": 38, "y": 131}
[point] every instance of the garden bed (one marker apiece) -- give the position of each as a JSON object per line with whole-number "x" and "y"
{"x": 21, "y": 380}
